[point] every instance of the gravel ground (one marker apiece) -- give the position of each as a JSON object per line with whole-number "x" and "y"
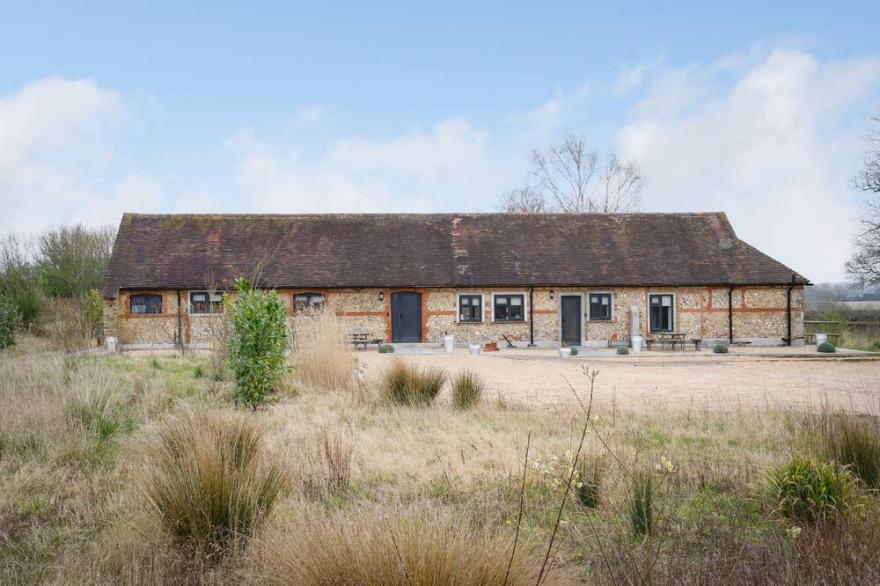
{"x": 747, "y": 377}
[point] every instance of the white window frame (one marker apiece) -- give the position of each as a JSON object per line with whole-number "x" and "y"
{"x": 674, "y": 312}
{"x": 293, "y": 296}
{"x": 559, "y": 295}
{"x": 525, "y": 297}
{"x": 589, "y": 309}
{"x": 458, "y": 295}
{"x": 211, "y": 295}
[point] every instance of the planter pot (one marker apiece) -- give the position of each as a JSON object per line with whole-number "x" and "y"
{"x": 474, "y": 349}
{"x": 565, "y": 353}
{"x": 821, "y": 339}
{"x": 636, "y": 342}
{"x": 449, "y": 343}
{"x": 110, "y": 344}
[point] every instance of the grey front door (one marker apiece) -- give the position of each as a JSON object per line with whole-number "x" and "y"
{"x": 571, "y": 320}
{"x": 406, "y": 317}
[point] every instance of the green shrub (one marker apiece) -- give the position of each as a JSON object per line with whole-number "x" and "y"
{"x": 409, "y": 385}
{"x": 720, "y": 349}
{"x": 94, "y": 312}
{"x": 589, "y": 476}
{"x": 199, "y": 371}
{"x": 622, "y": 350}
{"x": 386, "y": 349}
{"x": 9, "y": 321}
{"x": 804, "y": 490}
{"x": 96, "y": 412}
{"x": 467, "y": 390}
{"x": 208, "y": 482}
{"x": 854, "y": 443}
{"x": 257, "y": 341}
{"x": 574, "y": 350}
{"x": 826, "y": 348}
{"x": 641, "y": 502}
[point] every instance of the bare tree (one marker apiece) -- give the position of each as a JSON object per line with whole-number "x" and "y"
{"x": 864, "y": 264}
{"x": 523, "y": 200}
{"x": 571, "y": 177}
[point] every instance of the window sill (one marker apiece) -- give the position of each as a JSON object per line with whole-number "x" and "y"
{"x": 508, "y": 321}
{"x": 469, "y": 323}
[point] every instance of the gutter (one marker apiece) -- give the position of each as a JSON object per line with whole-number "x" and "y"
{"x": 788, "y": 339}
{"x": 179, "y": 323}
{"x": 730, "y": 314}
{"x": 531, "y": 317}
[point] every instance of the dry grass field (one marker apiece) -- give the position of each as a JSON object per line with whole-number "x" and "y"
{"x": 139, "y": 469}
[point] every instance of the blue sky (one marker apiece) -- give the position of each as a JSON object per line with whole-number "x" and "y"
{"x": 757, "y": 109}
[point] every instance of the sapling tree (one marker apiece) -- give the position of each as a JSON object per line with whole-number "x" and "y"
{"x": 257, "y": 341}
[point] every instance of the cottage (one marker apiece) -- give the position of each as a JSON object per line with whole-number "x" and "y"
{"x": 545, "y": 279}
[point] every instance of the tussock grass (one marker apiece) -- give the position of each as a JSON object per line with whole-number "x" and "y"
{"x": 467, "y": 390}
{"x": 322, "y": 358}
{"x": 387, "y": 546}
{"x": 589, "y": 481}
{"x": 208, "y": 481}
{"x": 806, "y": 491}
{"x": 641, "y": 504}
{"x": 854, "y": 442}
{"x": 404, "y": 384}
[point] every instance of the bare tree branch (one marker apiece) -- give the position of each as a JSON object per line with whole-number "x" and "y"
{"x": 523, "y": 200}
{"x": 570, "y": 177}
{"x": 863, "y": 266}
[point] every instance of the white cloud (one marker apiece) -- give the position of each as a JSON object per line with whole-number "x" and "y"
{"x": 449, "y": 167}
{"x": 542, "y": 123}
{"x": 630, "y": 78}
{"x": 770, "y": 149}
{"x": 57, "y": 157}
{"x": 312, "y": 115}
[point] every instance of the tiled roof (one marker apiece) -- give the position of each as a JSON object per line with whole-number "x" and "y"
{"x": 435, "y": 250}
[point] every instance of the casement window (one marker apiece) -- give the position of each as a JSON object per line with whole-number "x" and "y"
{"x": 662, "y": 314}
{"x": 470, "y": 308}
{"x": 509, "y": 308}
{"x": 302, "y": 301}
{"x": 145, "y": 303}
{"x": 205, "y": 302}
{"x": 600, "y": 306}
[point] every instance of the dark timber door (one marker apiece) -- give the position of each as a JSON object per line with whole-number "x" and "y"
{"x": 406, "y": 317}
{"x": 571, "y": 320}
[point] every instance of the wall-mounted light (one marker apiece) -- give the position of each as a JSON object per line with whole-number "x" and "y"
{"x": 381, "y": 296}
{"x": 552, "y": 294}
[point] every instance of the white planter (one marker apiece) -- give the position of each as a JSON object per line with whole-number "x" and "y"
{"x": 474, "y": 349}
{"x": 565, "y": 353}
{"x": 110, "y": 344}
{"x": 636, "y": 343}
{"x": 821, "y": 339}
{"x": 449, "y": 343}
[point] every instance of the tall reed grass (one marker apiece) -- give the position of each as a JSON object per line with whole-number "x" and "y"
{"x": 405, "y": 384}
{"x": 322, "y": 357}
{"x": 386, "y": 546}
{"x": 208, "y": 481}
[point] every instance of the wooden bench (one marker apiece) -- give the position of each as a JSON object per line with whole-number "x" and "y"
{"x": 363, "y": 339}
{"x": 673, "y": 342}
{"x": 811, "y": 338}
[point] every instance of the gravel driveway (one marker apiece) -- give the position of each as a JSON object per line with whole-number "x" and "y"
{"x": 748, "y": 377}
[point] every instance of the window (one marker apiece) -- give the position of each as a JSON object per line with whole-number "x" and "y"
{"x": 509, "y": 308}
{"x": 145, "y": 304}
{"x": 600, "y": 306}
{"x": 661, "y": 313}
{"x": 470, "y": 308}
{"x": 204, "y": 302}
{"x": 303, "y": 301}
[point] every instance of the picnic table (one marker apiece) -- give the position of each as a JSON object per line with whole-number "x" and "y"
{"x": 673, "y": 339}
{"x": 363, "y": 339}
